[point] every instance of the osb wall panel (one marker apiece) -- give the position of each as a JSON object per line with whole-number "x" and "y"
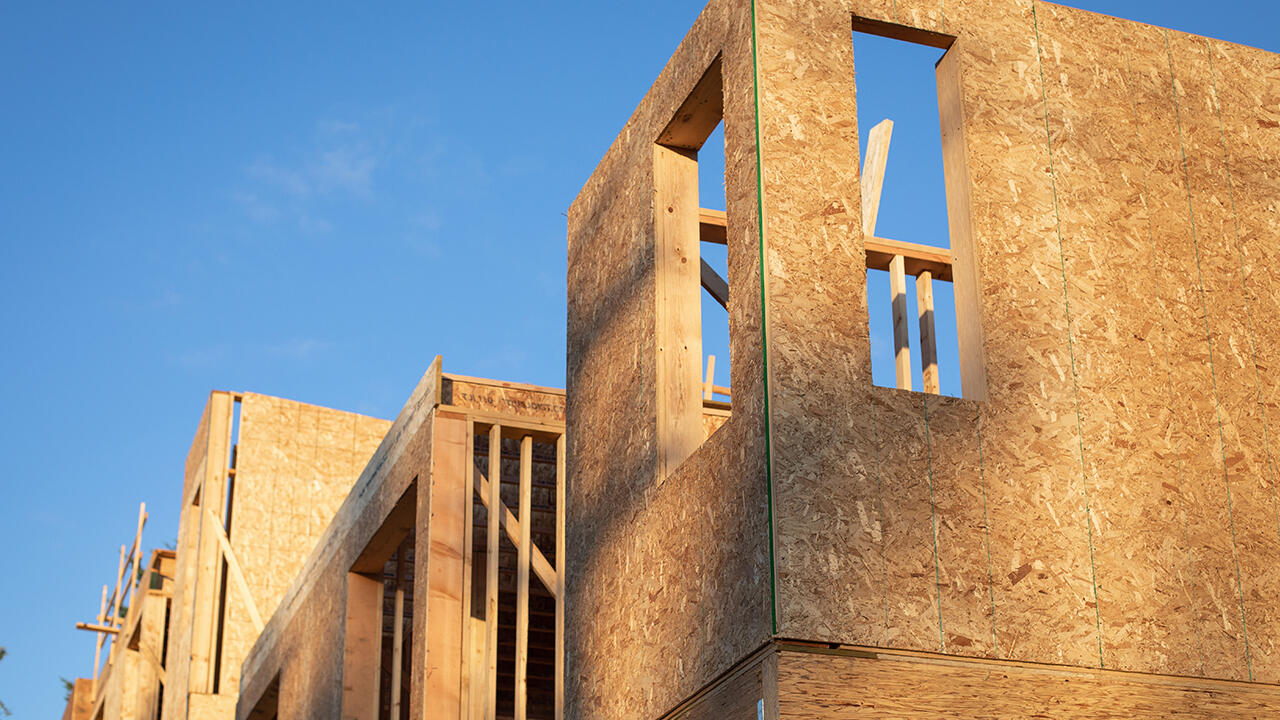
{"x": 295, "y": 464}
{"x": 302, "y": 643}
{"x": 823, "y": 687}
{"x": 668, "y": 578}
{"x": 1111, "y": 502}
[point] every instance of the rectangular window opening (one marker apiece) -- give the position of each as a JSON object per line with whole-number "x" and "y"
{"x": 691, "y": 262}
{"x": 920, "y": 273}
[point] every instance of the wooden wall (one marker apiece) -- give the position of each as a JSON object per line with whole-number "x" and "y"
{"x": 294, "y": 464}
{"x": 668, "y": 581}
{"x": 815, "y": 686}
{"x": 1111, "y": 502}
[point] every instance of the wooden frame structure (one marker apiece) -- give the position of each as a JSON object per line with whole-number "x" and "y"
{"x": 487, "y": 591}
{"x": 1076, "y": 517}
{"x": 131, "y": 628}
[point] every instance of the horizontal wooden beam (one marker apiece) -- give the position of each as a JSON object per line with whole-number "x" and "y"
{"x": 713, "y": 226}
{"x": 917, "y": 258}
{"x": 880, "y": 251}
{"x": 97, "y": 628}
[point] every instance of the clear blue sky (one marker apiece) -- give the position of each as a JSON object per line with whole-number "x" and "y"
{"x": 309, "y": 200}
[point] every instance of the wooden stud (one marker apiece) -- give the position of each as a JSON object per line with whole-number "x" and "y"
{"x": 873, "y": 174}
{"x": 708, "y": 382}
{"x": 397, "y": 634}
{"x": 560, "y": 565}
{"x": 442, "y": 568}
{"x": 678, "y": 314}
{"x": 362, "y": 647}
{"x": 102, "y": 618}
{"x": 901, "y": 340}
{"x": 467, "y": 548}
{"x": 491, "y": 573}
{"x": 522, "y": 576}
{"x": 928, "y": 339}
{"x": 967, "y": 279}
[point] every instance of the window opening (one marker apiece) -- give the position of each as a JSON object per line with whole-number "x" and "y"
{"x": 910, "y": 291}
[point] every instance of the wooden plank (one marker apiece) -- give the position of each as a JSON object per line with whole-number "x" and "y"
{"x": 97, "y": 650}
{"x": 678, "y": 310}
{"x": 467, "y": 547}
{"x": 493, "y": 499}
{"x": 963, "y": 266}
{"x": 397, "y": 634}
{"x": 713, "y": 226}
{"x": 560, "y": 568}
{"x": 717, "y": 286}
{"x": 699, "y": 114}
{"x": 449, "y": 505}
{"x": 877, "y": 157}
{"x": 522, "y": 575}
{"x": 237, "y": 574}
{"x": 708, "y": 382}
{"x": 362, "y": 647}
{"x": 917, "y": 258}
{"x": 928, "y": 337}
{"x": 901, "y": 340}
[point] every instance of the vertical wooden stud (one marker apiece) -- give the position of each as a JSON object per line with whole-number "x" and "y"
{"x": 522, "y": 576}
{"x": 679, "y": 305}
{"x": 397, "y": 634}
{"x": 873, "y": 173}
{"x": 928, "y": 339}
{"x": 491, "y": 573}
{"x": 709, "y": 382}
{"x": 964, "y": 265}
{"x": 560, "y": 566}
{"x": 467, "y": 547}
{"x": 97, "y": 650}
{"x": 901, "y": 340}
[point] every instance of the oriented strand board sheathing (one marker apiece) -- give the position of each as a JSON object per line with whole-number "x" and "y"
{"x": 1195, "y": 436}
{"x": 1247, "y": 475}
{"x": 964, "y": 572}
{"x": 907, "y": 521}
{"x": 1251, "y": 126}
{"x": 1088, "y": 510}
{"x": 668, "y": 576}
{"x": 1147, "y": 623}
{"x": 295, "y": 465}
{"x": 815, "y": 686}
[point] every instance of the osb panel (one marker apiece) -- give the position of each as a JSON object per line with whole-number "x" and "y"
{"x": 668, "y": 577}
{"x": 1250, "y": 117}
{"x": 295, "y": 465}
{"x": 302, "y": 641}
{"x": 1084, "y": 513}
{"x": 1117, "y": 330}
{"x": 820, "y": 687}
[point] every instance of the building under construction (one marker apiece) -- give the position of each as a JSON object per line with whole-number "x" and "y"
{"x": 1091, "y": 530}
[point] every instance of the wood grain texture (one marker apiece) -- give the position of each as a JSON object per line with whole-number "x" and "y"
{"x": 824, "y": 687}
